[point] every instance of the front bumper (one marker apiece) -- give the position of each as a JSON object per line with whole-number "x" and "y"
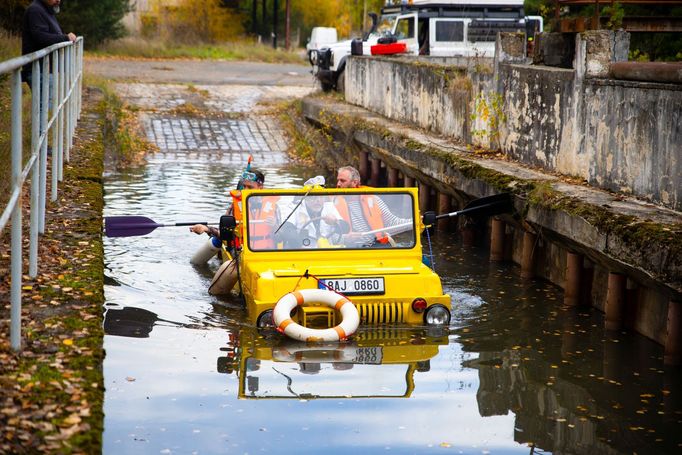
{"x": 326, "y": 76}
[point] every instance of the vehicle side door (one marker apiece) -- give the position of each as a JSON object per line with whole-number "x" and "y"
{"x": 405, "y": 29}
{"x": 447, "y": 37}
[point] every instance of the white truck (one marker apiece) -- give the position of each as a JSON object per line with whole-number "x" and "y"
{"x": 320, "y": 37}
{"x": 442, "y": 29}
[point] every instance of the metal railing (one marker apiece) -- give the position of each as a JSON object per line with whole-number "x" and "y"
{"x": 57, "y": 78}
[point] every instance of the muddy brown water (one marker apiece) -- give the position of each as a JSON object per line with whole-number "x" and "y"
{"x": 514, "y": 373}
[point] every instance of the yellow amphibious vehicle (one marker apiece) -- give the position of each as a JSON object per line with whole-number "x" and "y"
{"x": 360, "y": 245}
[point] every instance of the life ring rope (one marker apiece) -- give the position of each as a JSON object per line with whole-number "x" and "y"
{"x": 307, "y": 275}
{"x": 286, "y": 325}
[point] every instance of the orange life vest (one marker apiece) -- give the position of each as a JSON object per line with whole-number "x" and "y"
{"x": 370, "y": 210}
{"x": 260, "y": 234}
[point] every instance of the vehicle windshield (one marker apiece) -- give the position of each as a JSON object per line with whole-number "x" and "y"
{"x": 327, "y": 220}
{"x": 385, "y": 25}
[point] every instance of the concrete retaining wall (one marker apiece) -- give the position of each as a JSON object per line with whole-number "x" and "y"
{"x": 617, "y": 135}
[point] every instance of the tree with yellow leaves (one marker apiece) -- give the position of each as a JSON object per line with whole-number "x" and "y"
{"x": 197, "y": 21}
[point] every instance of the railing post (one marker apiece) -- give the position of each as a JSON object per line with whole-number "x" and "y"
{"x": 35, "y": 175}
{"x": 55, "y": 131}
{"x": 67, "y": 106}
{"x": 60, "y": 114}
{"x": 44, "y": 108}
{"x": 80, "y": 76}
{"x": 16, "y": 262}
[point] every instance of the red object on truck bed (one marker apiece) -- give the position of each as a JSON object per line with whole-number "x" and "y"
{"x": 387, "y": 49}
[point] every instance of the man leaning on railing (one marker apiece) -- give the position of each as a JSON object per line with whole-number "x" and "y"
{"x": 41, "y": 30}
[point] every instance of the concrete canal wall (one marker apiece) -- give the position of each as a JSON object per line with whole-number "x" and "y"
{"x": 563, "y": 113}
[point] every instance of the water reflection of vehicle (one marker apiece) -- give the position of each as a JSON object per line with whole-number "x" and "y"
{"x": 377, "y": 363}
{"x": 363, "y": 243}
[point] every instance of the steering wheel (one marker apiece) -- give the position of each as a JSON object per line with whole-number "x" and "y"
{"x": 312, "y": 220}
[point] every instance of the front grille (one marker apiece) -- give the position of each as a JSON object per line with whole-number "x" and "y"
{"x": 381, "y": 313}
{"x": 388, "y": 336}
{"x": 324, "y": 58}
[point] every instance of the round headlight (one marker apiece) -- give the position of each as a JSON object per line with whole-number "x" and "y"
{"x": 265, "y": 319}
{"x": 313, "y": 57}
{"x": 437, "y": 315}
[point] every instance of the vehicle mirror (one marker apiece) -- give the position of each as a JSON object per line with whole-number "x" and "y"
{"x": 429, "y": 218}
{"x": 227, "y": 225}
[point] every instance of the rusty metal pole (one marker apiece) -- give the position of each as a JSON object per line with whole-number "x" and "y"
{"x": 287, "y": 31}
{"x": 424, "y": 196}
{"x": 497, "y": 231}
{"x": 615, "y": 301}
{"x": 574, "y": 271}
{"x": 275, "y": 8}
{"x": 364, "y": 166}
{"x": 673, "y": 350}
{"x": 392, "y": 177}
{"x": 527, "y": 255}
{"x": 409, "y": 182}
{"x": 443, "y": 207}
{"x": 667, "y": 72}
{"x": 376, "y": 172}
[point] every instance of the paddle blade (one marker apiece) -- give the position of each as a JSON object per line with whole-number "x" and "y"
{"x": 128, "y": 226}
{"x": 489, "y": 206}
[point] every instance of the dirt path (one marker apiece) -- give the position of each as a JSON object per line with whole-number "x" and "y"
{"x": 214, "y": 72}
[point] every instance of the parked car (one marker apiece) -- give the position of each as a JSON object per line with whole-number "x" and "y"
{"x": 444, "y": 29}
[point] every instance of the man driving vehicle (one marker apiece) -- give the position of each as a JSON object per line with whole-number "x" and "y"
{"x": 364, "y": 213}
{"x": 310, "y": 219}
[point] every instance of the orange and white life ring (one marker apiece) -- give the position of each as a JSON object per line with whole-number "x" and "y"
{"x": 282, "y": 315}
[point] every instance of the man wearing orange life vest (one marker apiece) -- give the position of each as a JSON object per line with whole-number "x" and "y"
{"x": 252, "y": 180}
{"x": 226, "y": 276}
{"x": 364, "y": 213}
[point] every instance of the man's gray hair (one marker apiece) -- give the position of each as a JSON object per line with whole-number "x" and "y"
{"x": 354, "y": 174}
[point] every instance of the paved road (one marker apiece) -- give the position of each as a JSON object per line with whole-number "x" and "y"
{"x": 206, "y": 72}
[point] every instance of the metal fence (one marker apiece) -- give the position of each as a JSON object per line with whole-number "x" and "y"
{"x": 56, "y": 81}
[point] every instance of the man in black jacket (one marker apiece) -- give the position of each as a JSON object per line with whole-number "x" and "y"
{"x": 41, "y": 30}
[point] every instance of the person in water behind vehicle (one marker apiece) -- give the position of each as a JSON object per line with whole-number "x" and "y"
{"x": 252, "y": 180}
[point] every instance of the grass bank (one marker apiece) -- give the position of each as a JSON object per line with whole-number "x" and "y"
{"x": 142, "y": 48}
{"x": 123, "y": 133}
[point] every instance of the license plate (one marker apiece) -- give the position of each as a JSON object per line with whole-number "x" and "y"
{"x": 372, "y": 355}
{"x": 354, "y": 286}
